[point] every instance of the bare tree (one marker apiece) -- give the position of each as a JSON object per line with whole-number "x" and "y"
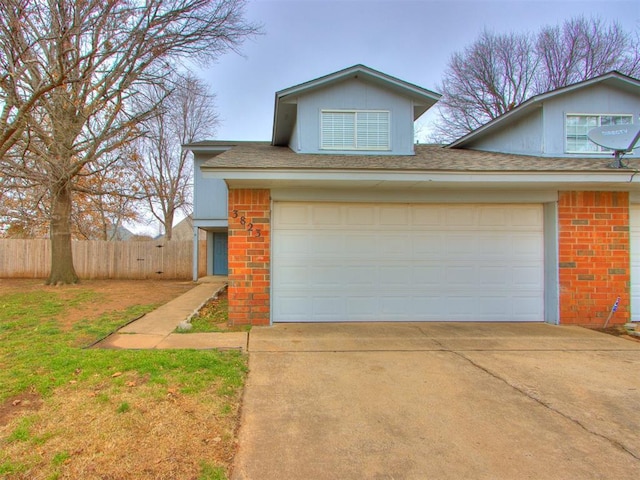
{"x": 163, "y": 169}
{"x": 486, "y": 80}
{"x": 18, "y": 53}
{"x": 500, "y": 71}
{"x": 581, "y": 49}
{"x": 100, "y": 54}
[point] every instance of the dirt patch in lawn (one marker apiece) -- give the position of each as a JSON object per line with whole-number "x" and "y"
{"x": 19, "y": 405}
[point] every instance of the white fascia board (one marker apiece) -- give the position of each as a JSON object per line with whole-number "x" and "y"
{"x": 625, "y": 177}
{"x": 407, "y": 87}
{"x": 214, "y": 150}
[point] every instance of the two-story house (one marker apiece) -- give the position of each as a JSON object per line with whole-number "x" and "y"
{"x": 341, "y": 217}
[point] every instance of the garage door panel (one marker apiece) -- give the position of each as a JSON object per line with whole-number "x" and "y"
{"x": 494, "y": 245}
{"x": 327, "y": 307}
{"x": 362, "y": 215}
{"x": 460, "y": 245}
{"x": 525, "y": 277}
{"x": 496, "y": 276}
{"x": 325, "y": 276}
{"x": 459, "y": 216}
{"x": 526, "y": 307}
{"x": 359, "y": 276}
{"x": 325, "y": 243}
{"x": 293, "y": 276}
{"x": 526, "y": 246}
{"x": 291, "y": 244}
{"x": 407, "y": 262}
{"x": 458, "y": 276}
{"x": 427, "y": 276}
{"x": 327, "y": 215}
{"x": 525, "y": 218}
{"x": 291, "y": 307}
{"x": 493, "y": 217}
{"x": 395, "y": 275}
{"x": 396, "y": 306}
{"x": 394, "y": 215}
{"x": 292, "y": 215}
{"x": 424, "y": 216}
{"x": 397, "y": 245}
{"x": 427, "y": 244}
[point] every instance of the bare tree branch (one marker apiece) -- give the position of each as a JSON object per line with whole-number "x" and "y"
{"x": 163, "y": 169}
{"x": 69, "y": 73}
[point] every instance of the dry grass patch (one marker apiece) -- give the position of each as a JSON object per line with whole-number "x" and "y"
{"x": 91, "y": 435}
{"x": 69, "y": 413}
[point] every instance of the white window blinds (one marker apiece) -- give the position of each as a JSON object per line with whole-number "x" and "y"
{"x": 355, "y": 130}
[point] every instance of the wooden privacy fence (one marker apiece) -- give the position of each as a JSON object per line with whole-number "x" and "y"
{"x": 96, "y": 259}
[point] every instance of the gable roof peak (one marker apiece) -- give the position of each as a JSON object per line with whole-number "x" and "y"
{"x": 285, "y": 100}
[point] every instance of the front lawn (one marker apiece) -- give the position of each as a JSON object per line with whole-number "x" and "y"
{"x": 71, "y": 412}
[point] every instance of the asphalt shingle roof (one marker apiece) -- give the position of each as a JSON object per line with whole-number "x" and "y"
{"x": 262, "y": 155}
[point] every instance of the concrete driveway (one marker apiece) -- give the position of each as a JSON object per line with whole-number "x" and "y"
{"x": 439, "y": 401}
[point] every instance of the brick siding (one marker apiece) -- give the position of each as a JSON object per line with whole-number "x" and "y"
{"x": 249, "y": 256}
{"x": 594, "y": 261}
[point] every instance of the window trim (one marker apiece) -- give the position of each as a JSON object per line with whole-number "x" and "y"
{"x": 355, "y": 147}
{"x": 601, "y": 150}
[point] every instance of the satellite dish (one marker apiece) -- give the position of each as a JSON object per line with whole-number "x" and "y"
{"x": 619, "y": 138}
{"x": 615, "y": 137}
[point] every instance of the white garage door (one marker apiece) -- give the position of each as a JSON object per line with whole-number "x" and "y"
{"x": 634, "y": 237}
{"x": 399, "y": 262}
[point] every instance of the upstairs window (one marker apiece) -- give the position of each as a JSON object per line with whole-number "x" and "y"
{"x": 577, "y": 127}
{"x": 355, "y": 130}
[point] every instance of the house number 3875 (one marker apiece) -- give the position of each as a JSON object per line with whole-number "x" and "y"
{"x": 247, "y": 225}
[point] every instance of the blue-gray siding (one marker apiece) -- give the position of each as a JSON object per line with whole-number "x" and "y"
{"x": 352, "y": 94}
{"x": 209, "y": 197}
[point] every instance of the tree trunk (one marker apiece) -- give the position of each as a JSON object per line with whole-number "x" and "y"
{"x": 168, "y": 226}
{"x": 62, "y": 271}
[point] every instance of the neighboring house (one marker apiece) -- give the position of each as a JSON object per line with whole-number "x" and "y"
{"x": 119, "y": 233}
{"x": 342, "y": 218}
{"x": 184, "y": 230}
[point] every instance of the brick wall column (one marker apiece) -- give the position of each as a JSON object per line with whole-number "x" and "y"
{"x": 249, "y": 256}
{"x": 594, "y": 261}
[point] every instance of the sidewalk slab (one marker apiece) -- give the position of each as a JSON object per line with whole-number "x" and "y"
{"x": 204, "y": 341}
{"x": 138, "y": 341}
{"x": 166, "y": 318}
{"x": 157, "y": 329}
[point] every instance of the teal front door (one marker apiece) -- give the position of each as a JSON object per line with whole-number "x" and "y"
{"x": 220, "y": 266}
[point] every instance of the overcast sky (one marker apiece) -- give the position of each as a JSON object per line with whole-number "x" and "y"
{"x": 408, "y": 39}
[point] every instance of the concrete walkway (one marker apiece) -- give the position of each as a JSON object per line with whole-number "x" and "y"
{"x": 439, "y": 401}
{"x": 157, "y": 329}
